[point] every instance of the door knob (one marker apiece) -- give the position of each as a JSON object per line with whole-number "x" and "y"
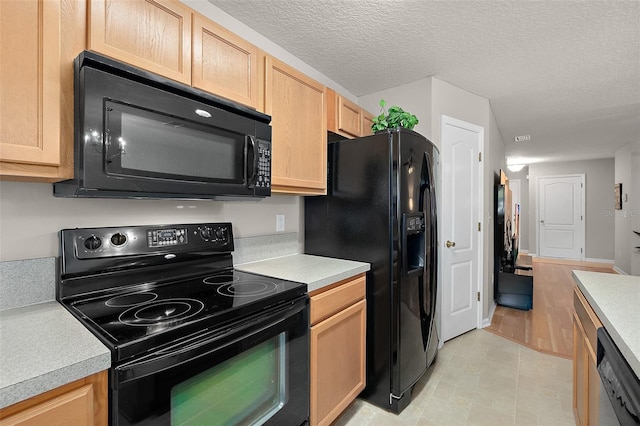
{"x": 542, "y": 221}
{"x": 450, "y": 244}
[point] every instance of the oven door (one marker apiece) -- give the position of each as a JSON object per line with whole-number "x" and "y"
{"x": 256, "y": 372}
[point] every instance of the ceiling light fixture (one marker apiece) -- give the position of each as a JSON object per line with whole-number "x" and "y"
{"x": 515, "y": 167}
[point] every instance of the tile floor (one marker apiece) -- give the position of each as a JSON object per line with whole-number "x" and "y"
{"x": 482, "y": 379}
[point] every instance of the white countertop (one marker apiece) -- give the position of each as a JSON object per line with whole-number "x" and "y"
{"x": 615, "y": 299}
{"x": 43, "y": 347}
{"x": 315, "y": 271}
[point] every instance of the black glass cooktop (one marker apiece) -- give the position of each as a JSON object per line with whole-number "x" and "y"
{"x": 153, "y": 312}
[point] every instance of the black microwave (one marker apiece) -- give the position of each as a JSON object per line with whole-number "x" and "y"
{"x": 139, "y": 135}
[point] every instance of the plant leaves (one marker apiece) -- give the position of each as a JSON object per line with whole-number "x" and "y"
{"x": 392, "y": 118}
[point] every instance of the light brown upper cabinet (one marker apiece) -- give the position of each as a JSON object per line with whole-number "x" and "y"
{"x": 296, "y": 104}
{"x": 224, "y": 63}
{"x": 347, "y": 118}
{"x": 367, "y": 122}
{"x": 38, "y": 41}
{"x": 151, "y": 34}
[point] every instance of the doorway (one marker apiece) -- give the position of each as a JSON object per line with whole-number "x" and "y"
{"x": 461, "y": 216}
{"x": 561, "y": 225}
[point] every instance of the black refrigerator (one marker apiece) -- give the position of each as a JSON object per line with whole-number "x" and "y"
{"x": 381, "y": 208}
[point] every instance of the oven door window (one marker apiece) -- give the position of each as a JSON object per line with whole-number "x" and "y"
{"x": 256, "y": 373}
{"x": 149, "y": 144}
{"x": 246, "y": 389}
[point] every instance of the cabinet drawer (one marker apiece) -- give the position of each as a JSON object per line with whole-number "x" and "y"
{"x": 328, "y": 302}
{"x": 588, "y": 319}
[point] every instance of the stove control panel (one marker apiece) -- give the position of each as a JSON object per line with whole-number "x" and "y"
{"x": 102, "y": 243}
{"x": 166, "y": 237}
{"x": 216, "y": 233}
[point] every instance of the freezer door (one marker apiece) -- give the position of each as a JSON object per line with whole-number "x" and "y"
{"x": 412, "y": 293}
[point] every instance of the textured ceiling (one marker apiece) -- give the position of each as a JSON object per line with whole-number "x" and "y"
{"x": 565, "y": 72}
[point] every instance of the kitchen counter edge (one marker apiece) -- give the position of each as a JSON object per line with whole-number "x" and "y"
{"x": 614, "y": 299}
{"x": 314, "y": 271}
{"x": 43, "y": 347}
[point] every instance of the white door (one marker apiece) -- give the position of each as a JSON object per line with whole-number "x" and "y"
{"x": 460, "y": 215}
{"x": 560, "y": 216}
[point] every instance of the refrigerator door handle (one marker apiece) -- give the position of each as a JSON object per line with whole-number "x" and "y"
{"x": 428, "y": 241}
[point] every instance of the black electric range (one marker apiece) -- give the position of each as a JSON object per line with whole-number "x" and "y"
{"x": 138, "y": 288}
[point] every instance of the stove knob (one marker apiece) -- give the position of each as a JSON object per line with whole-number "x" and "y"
{"x": 205, "y": 232}
{"x": 93, "y": 242}
{"x": 118, "y": 239}
{"x": 221, "y": 233}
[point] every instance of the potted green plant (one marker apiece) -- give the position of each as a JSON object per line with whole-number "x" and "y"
{"x": 392, "y": 118}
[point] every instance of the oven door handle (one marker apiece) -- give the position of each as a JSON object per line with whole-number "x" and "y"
{"x": 212, "y": 341}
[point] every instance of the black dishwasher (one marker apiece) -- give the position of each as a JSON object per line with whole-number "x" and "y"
{"x": 619, "y": 386}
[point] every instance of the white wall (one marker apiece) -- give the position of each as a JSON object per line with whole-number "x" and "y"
{"x": 634, "y": 205}
{"x": 413, "y": 97}
{"x": 599, "y": 214}
{"x": 627, "y": 172}
{"x": 30, "y": 217}
{"x": 622, "y": 217}
{"x": 458, "y": 103}
{"x": 525, "y": 214}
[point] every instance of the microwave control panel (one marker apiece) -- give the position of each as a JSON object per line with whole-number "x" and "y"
{"x": 264, "y": 164}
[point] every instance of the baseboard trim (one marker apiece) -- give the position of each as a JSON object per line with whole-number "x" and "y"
{"x": 486, "y": 322}
{"x": 619, "y": 271}
{"x": 605, "y": 261}
{"x": 596, "y": 263}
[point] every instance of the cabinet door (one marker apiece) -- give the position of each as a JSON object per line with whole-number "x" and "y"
{"x": 74, "y": 408}
{"x": 349, "y": 117}
{"x": 223, "y": 63}
{"x": 579, "y": 374}
{"x": 593, "y": 392}
{"x": 36, "y": 87}
{"x": 337, "y": 363}
{"x": 80, "y": 403}
{"x": 151, "y": 34}
{"x": 346, "y": 118}
{"x": 296, "y": 104}
{"x": 367, "y": 122}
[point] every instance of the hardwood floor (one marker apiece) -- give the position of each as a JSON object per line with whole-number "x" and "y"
{"x": 548, "y": 326}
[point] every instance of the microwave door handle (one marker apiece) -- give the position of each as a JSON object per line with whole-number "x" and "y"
{"x": 252, "y": 162}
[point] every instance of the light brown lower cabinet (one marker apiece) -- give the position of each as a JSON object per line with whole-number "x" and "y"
{"x": 79, "y": 403}
{"x": 338, "y": 348}
{"x": 586, "y": 381}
